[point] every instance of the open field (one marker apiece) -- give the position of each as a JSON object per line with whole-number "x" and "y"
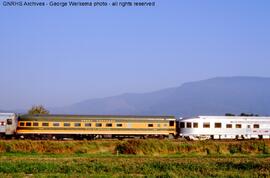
{"x": 134, "y": 158}
{"x": 134, "y": 166}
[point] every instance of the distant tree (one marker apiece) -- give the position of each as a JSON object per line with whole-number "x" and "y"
{"x": 229, "y": 114}
{"x": 38, "y": 110}
{"x": 246, "y": 114}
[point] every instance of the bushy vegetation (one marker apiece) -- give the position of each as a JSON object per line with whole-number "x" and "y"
{"x": 134, "y": 158}
{"x": 158, "y": 147}
{"x": 152, "y": 147}
{"x": 39, "y": 109}
{"x": 57, "y": 147}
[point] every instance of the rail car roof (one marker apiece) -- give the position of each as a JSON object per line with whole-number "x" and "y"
{"x": 104, "y": 117}
{"x": 6, "y": 115}
{"x": 228, "y": 117}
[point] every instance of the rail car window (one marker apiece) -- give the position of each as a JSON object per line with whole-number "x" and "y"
{"x": 256, "y": 126}
{"x": 206, "y": 125}
{"x": 66, "y": 124}
{"x": 77, "y": 124}
{"x": 195, "y": 124}
{"x": 45, "y": 124}
{"x": 188, "y": 124}
{"x": 35, "y": 124}
{"x": 28, "y": 124}
{"x": 98, "y": 125}
{"x": 171, "y": 123}
{"x": 21, "y": 123}
{"x": 238, "y": 126}
{"x": 87, "y": 124}
{"x": 217, "y": 125}
{"x": 109, "y": 125}
{"x": 182, "y": 125}
{"x": 119, "y": 125}
{"x": 56, "y": 124}
{"x": 158, "y": 125}
{"x": 228, "y": 125}
{"x": 9, "y": 121}
{"x": 150, "y": 125}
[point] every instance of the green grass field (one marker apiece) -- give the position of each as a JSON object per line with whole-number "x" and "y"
{"x": 134, "y": 158}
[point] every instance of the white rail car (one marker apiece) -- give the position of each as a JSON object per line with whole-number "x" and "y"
{"x": 225, "y": 127}
{"x": 8, "y": 124}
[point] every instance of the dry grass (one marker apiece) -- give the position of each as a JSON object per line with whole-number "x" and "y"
{"x": 137, "y": 158}
{"x": 137, "y": 147}
{"x": 161, "y": 147}
{"x": 57, "y": 147}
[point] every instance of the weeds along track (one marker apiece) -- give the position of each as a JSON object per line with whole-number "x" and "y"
{"x": 137, "y": 147}
{"x": 134, "y": 158}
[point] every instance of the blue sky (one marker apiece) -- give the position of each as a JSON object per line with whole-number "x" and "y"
{"x": 59, "y": 56}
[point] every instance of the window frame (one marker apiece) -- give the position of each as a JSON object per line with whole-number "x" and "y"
{"x": 255, "y": 126}
{"x": 56, "y": 124}
{"x": 218, "y": 125}
{"x": 206, "y": 125}
{"x": 238, "y": 126}
{"x": 119, "y": 125}
{"x": 77, "y": 124}
{"x": 66, "y": 124}
{"x": 98, "y": 124}
{"x": 182, "y": 124}
{"x": 9, "y": 122}
{"x": 108, "y": 124}
{"x": 28, "y": 124}
{"x": 45, "y": 124}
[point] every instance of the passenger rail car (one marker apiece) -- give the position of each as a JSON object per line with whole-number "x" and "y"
{"x": 8, "y": 124}
{"x": 95, "y": 126}
{"x": 225, "y": 127}
{"x": 112, "y": 126}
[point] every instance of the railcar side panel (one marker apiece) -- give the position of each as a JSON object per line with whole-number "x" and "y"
{"x": 225, "y": 127}
{"x": 8, "y": 124}
{"x": 97, "y": 125}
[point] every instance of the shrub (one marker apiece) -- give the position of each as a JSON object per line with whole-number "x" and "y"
{"x": 233, "y": 148}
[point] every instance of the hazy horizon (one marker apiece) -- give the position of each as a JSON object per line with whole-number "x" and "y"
{"x": 60, "y": 56}
{"x": 119, "y": 94}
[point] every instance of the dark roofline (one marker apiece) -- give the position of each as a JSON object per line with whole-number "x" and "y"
{"x": 96, "y": 116}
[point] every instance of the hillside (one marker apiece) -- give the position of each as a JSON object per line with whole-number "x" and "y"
{"x": 207, "y": 97}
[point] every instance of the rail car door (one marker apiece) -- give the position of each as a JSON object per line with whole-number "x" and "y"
{"x": 10, "y": 126}
{"x": 248, "y": 130}
{"x": 129, "y": 125}
{"x": 2, "y": 126}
